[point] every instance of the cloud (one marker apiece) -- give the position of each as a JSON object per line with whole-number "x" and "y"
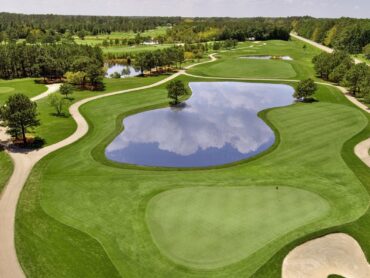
{"x": 217, "y": 114}
{"x": 239, "y": 8}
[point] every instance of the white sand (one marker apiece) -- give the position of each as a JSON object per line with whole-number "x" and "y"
{"x": 332, "y": 254}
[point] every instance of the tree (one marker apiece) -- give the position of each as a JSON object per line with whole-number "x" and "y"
{"x": 58, "y": 103}
{"x": 340, "y": 71}
{"x": 353, "y": 78}
{"x": 75, "y": 78}
{"x": 176, "y": 89}
{"x": 305, "y": 89}
{"x": 19, "y": 113}
{"x": 81, "y": 34}
{"x": 366, "y": 51}
{"x": 66, "y": 89}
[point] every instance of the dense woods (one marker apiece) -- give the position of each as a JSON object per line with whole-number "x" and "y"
{"x": 51, "y": 61}
{"x": 348, "y": 34}
{"x": 19, "y": 26}
{"x": 202, "y": 30}
{"x": 340, "y": 68}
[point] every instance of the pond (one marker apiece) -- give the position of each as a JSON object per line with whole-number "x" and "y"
{"x": 217, "y": 125}
{"x": 123, "y": 70}
{"x": 266, "y": 57}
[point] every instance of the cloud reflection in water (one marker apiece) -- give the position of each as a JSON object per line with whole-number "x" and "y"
{"x": 218, "y": 125}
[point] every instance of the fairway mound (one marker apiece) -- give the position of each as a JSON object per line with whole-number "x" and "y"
{"x": 212, "y": 227}
{"x": 332, "y": 254}
{"x": 4, "y": 90}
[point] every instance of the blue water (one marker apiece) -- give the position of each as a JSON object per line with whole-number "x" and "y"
{"x": 217, "y": 125}
{"x": 123, "y": 70}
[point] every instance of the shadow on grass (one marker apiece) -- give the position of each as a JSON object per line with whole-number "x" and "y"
{"x": 307, "y": 100}
{"x": 60, "y": 115}
{"x": 18, "y": 146}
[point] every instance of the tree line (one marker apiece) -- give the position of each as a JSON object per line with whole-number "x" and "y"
{"x": 19, "y": 26}
{"x": 347, "y": 34}
{"x": 340, "y": 68}
{"x": 240, "y": 29}
{"x": 52, "y": 61}
{"x": 160, "y": 59}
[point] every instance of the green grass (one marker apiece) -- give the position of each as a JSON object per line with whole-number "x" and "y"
{"x": 100, "y": 209}
{"x": 94, "y": 40}
{"x": 55, "y": 128}
{"x": 135, "y": 48}
{"x": 6, "y": 169}
{"x": 26, "y": 86}
{"x": 82, "y": 216}
{"x": 98, "y": 40}
{"x": 202, "y": 228}
{"x": 231, "y": 65}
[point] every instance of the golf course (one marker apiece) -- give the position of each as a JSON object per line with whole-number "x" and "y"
{"x": 81, "y": 214}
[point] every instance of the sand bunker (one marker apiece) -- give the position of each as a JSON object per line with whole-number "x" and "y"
{"x": 332, "y": 254}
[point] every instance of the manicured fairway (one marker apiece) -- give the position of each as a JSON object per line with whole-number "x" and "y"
{"x": 26, "y": 86}
{"x": 85, "y": 216}
{"x": 6, "y": 168}
{"x": 135, "y": 48}
{"x": 236, "y": 67}
{"x": 94, "y": 40}
{"x": 211, "y": 227}
{"x": 231, "y": 65}
{"x": 54, "y": 129}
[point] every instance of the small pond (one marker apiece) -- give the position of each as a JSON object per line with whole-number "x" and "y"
{"x": 123, "y": 70}
{"x": 217, "y": 125}
{"x": 265, "y": 57}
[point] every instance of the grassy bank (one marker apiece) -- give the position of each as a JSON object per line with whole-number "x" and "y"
{"x": 26, "y": 86}
{"x": 232, "y": 63}
{"x": 6, "y": 169}
{"x": 85, "y": 202}
{"x": 55, "y": 128}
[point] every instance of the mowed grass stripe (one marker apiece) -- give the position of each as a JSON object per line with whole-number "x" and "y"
{"x": 212, "y": 227}
{"x": 109, "y": 203}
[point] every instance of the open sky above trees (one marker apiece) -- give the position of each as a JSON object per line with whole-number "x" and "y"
{"x": 235, "y": 8}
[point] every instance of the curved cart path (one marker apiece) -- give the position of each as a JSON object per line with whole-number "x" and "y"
{"x": 23, "y": 164}
{"x": 24, "y": 161}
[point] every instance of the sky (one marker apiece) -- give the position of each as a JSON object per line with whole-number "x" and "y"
{"x": 193, "y": 8}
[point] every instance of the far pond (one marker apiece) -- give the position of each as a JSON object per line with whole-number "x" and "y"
{"x": 217, "y": 125}
{"x": 285, "y": 58}
{"x": 122, "y": 70}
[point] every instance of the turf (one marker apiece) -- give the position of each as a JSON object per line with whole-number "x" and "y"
{"x": 26, "y": 86}
{"x": 135, "y": 48}
{"x": 55, "y": 128}
{"x": 231, "y": 65}
{"x": 203, "y": 228}
{"x": 94, "y": 40}
{"x": 85, "y": 201}
{"x": 6, "y": 169}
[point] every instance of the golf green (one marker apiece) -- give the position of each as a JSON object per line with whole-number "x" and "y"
{"x": 4, "y": 90}
{"x": 236, "y": 67}
{"x": 212, "y": 227}
{"x": 26, "y": 86}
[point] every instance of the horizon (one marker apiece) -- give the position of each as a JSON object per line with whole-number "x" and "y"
{"x": 179, "y": 16}
{"x": 194, "y": 8}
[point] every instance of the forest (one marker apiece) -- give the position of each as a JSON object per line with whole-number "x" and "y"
{"x": 51, "y": 61}
{"x": 347, "y": 34}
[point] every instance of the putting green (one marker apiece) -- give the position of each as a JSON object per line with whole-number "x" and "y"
{"x": 211, "y": 227}
{"x": 4, "y": 90}
{"x": 236, "y": 67}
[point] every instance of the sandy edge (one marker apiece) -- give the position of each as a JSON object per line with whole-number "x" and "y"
{"x": 23, "y": 164}
{"x": 332, "y": 254}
